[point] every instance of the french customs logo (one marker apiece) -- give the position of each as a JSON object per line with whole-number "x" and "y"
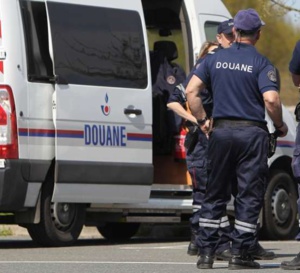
{"x": 105, "y": 108}
{"x": 272, "y": 76}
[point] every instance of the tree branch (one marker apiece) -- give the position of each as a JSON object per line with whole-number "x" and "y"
{"x": 288, "y": 8}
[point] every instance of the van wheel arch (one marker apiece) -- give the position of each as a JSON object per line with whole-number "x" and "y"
{"x": 60, "y": 223}
{"x": 280, "y": 207}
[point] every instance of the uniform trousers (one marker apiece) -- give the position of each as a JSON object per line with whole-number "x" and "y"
{"x": 296, "y": 170}
{"x": 196, "y": 165}
{"x": 239, "y": 151}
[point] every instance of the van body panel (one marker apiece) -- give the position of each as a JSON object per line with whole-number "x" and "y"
{"x": 102, "y": 117}
{"x": 13, "y": 63}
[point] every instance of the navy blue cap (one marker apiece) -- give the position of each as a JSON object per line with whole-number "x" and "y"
{"x": 225, "y": 27}
{"x": 247, "y": 20}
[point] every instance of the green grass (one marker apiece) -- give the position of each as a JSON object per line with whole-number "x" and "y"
{"x": 5, "y": 231}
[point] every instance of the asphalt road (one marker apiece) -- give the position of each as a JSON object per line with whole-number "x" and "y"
{"x": 18, "y": 254}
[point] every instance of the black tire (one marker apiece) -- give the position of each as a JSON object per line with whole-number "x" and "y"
{"x": 280, "y": 207}
{"x": 117, "y": 232}
{"x": 60, "y": 223}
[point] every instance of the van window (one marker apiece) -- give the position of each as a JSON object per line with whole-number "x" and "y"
{"x": 39, "y": 64}
{"x": 211, "y": 30}
{"x": 98, "y": 46}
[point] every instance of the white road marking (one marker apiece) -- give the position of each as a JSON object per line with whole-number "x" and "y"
{"x": 216, "y": 263}
{"x": 154, "y": 247}
{"x": 90, "y": 262}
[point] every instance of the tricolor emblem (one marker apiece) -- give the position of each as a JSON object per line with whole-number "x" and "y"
{"x": 105, "y": 108}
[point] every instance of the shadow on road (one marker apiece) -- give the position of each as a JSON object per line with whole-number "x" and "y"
{"x": 148, "y": 234}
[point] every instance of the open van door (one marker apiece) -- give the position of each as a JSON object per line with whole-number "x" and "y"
{"x": 102, "y": 104}
{"x": 209, "y": 24}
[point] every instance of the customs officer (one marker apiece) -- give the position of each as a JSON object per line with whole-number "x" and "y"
{"x": 294, "y": 68}
{"x": 243, "y": 84}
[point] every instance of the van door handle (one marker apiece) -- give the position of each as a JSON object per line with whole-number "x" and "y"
{"x": 128, "y": 111}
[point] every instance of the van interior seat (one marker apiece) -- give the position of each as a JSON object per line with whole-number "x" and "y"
{"x": 167, "y": 48}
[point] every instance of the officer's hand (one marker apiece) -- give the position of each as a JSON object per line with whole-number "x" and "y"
{"x": 283, "y": 130}
{"x": 205, "y": 127}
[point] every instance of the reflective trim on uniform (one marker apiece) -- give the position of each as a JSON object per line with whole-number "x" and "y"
{"x": 299, "y": 222}
{"x": 224, "y": 222}
{"x": 224, "y": 218}
{"x": 196, "y": 208}
{"x": 203, "y": 222}
{"x": 209, "y": 225}
{"x": 182, "y": 89}
{"x": 245, "y": 226}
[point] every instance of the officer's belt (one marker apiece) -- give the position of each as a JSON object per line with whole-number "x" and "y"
{"x": 238, "y": 123}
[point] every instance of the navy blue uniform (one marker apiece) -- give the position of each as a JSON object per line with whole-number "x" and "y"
{"x": 197, "y": 159}
{"x": 238, "y": 145}
{"x": 294, "y": 68}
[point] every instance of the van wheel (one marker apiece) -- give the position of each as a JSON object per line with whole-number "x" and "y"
{"x": 118, "y": 231}
{"x": 280, "y": 207}
{"x": 60, "y": 224}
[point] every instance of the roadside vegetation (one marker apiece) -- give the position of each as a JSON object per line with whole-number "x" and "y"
{"x": 5, "y": 231}
{"x": 278, "y": 38}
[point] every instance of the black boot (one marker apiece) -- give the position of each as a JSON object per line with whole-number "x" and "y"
{"x": 259, "y": 253}
{"x": 205, "y": 262}
{"x": 224, "y": 255}
{"x": 238, "y": 262}
{"x": 293, "y": 264}
{"x": 192, "y": 248}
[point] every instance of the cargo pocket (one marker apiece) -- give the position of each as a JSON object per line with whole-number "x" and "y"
{"x": 198, "y": 174}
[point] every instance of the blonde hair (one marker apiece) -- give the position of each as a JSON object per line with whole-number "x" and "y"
{"x": 206, "y": 47}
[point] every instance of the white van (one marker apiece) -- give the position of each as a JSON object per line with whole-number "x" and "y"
{"x": 82, "y": 140}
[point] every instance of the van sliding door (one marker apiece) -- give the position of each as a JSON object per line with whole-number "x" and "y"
{"x": 102, "y": 102}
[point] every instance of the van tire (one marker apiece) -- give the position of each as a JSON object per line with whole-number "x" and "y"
{"x": 117, "y": 232}
{"x": 280, "y": 207}
{"x": 60, "y": 224}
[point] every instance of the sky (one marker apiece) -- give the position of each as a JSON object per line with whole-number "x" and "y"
{"x": 294, "y": 16}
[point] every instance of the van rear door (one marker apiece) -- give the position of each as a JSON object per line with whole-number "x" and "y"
{"x": 102, "y": 101}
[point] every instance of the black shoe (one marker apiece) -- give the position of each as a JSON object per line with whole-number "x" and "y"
{"x": 192, "y": 249}
{"x": 293, "y": 264}
{"x": 242, "y": 262}
{"x": 261, "y": 254}
{"x": 205, "y": 262}
{"x": 225, "y": 255}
